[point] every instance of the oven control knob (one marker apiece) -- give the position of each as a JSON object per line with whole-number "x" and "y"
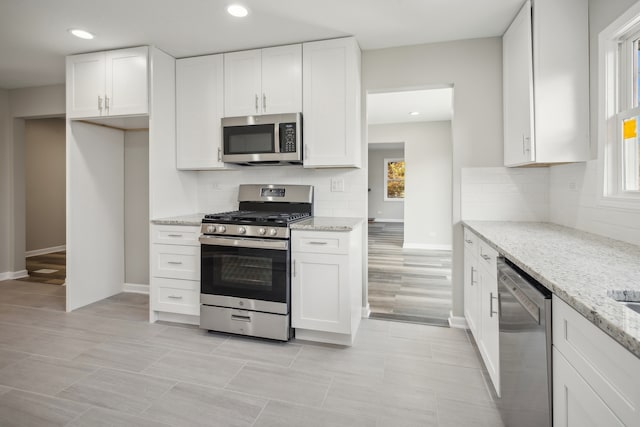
{"x": 242, "y": 230}
{"x": 262, "y": 231}
{"x": 222, "y": 229}
{"x": 211, "y": 229}
{"x": 273, "y": 232}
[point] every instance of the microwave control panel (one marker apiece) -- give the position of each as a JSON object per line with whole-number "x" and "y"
{"x": 287, "y": 137}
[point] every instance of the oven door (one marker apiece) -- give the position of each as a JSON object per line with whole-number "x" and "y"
{"x": 251, "y": 274}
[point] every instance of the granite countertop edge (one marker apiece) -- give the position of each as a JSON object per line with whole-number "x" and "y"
{"x": 595, "y": 304}
{"x": 325, "y": 223}
{"x": 189, "y": 219}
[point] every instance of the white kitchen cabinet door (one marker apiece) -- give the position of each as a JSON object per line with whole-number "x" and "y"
{"x": 282, "y": 79}
{"x": 546, "y": 84}
{"x": 331, "y": 103}
{"x": 472, "y": 294}
{"x": 489, "y": 323}
{"x": 199, "y": 108}
{"x": 320, "y": 293}
{"x": 85, "y": 85}
{"x": 127, "y": 80}
{"x": 575, "y": 403}
{"x": 518, "y": 90}
{"x": 242, "y": 83}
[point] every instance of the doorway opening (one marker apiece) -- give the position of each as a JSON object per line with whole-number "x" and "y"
{"x": 45, "y": 200}
{"x": 410, "y": 160}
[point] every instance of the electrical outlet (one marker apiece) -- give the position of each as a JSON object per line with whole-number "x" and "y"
{"x": 337, "y": 184}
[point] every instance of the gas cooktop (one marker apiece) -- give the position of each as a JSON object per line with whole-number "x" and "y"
{"x": 255, "y": 217}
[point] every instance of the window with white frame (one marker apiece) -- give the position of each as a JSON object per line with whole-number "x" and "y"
{"x": 619, "y": 110}
{"x": 393, "y": 179}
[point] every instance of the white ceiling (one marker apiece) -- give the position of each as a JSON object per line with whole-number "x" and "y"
{"x": 34, "y": 38}
{"x": 394, "y": 107}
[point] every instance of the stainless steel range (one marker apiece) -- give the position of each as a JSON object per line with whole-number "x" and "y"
{"x": 246, "y": 277}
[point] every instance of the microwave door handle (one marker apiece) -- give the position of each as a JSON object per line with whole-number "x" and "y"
{"x": 276, "y": 137}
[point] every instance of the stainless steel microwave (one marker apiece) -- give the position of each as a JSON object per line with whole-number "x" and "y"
{"x": 269, "y": 139}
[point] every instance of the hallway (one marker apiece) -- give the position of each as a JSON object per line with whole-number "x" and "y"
{"x": 407, "y": 284}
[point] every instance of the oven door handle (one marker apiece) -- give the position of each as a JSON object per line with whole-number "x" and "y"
{"x": 280, "y": 245}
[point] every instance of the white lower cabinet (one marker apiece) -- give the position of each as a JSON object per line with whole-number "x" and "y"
{"x": 595, "y": 379}
{"x": 175, "y": 273}
{"x": 326, "y": 285}
{"x": 481, "y": 301}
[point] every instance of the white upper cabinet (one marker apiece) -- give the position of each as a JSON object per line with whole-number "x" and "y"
{"x": 263, "y": 81}
{"x": 199, "y": 108}
{"x": 331, "y": 109}
{"x": 113, "y": 83}
{"x": 546, "y": 84}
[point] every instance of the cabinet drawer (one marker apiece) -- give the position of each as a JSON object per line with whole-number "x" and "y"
{"x": 176, "y": 235}
{"x": 609, "y": 369}
{"x": 320, "y": 242}
{"x": 176, "y": 262}
{"x": 470, "y": 242}
{"x": 177, "y": 296}
{"x": 488, "y": 257}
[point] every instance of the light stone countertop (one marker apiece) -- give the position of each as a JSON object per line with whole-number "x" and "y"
{"x": 326, "y": 223}
{"x": 192, "y": 219}
{"x": 582, "y": 269}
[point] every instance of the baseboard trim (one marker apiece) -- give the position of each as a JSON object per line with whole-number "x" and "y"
{"x": 426, "y": 246}
{"x": 457, "y": 322}
{"x": 45, "y": 251}
{"x": 366, "y": 311}
{"x": 387, "y": 220}
{"x": 136, "y": 288}
{"x": 12, "y": 275}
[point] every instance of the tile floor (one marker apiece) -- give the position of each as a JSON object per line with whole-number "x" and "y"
{"x": 106, "y": 365}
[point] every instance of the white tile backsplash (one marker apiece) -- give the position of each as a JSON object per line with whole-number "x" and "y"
{"x": 505, "y": 194}
{"x": 218, "y": 190}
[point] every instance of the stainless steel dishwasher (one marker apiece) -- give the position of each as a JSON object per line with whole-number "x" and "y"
{"x": 525, "y": 348}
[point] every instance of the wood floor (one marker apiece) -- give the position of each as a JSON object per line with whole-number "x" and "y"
{"x": 56, "y": 261}
{"x": 405, "y": 284}
{"x": 105, "y": 365}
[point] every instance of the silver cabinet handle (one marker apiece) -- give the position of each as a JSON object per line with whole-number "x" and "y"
{"x": 264, "y": 103}
{"x": 175, "y": 297}
{"x": 219, "y": 154}
{"x": 106, "y": 103}
{"x": 174, "y": 262}
{"x": 527, "y": 143}
{"x": 473, "y": 270}
{"x": 99, "y": 103}
{"x": 294, "y": 268}
{"x": 256, "y": 102}
{"x": 317, "y": 243}
{"x": 485, "y": 257}
{"x": 468, "y": 241}
{"x": 175, "y": 235}
{"x": 491, "y": 298}
{"x": 240, "y": 318}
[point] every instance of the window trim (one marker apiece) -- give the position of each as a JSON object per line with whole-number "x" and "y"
{"x": 613, "y": 105}
{"x": 386, "y": 179}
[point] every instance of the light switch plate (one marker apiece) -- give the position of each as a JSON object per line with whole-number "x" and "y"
{"x": 337, "y": 184}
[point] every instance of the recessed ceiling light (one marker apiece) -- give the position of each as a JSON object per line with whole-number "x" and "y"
{"x": 414, "y": 113}
{"x": 237, "y": 10}
{"x": 81, "y": 33}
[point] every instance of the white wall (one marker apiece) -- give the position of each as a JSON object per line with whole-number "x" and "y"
{"x": 428, "y": 175}
{"x": 573, "y": 188}
{"x": 136, "y": 207}
{"x": 505, "y": 194}
{"x": 45, "y": 185}
{"x": 379, "y": 208}
{"x": 474, "y": 68}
